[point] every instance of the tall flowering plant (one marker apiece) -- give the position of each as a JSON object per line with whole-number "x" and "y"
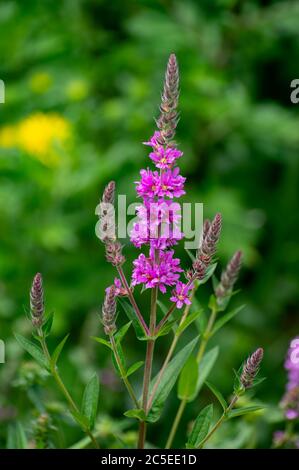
{"x": 156, "y": 231}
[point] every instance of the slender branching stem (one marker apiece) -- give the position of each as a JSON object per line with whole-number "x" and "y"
{"x": 148, "y": 366}
{"x": 62, "y": 387}
{"x": 122, "y": 371}
{"x": 199, "y": 357}
{"x": 132, "y": 300}
{"x": 220, "y": 420}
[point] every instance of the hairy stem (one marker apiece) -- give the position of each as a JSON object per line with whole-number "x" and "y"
{"x": 62, "y": 387}
{"x": 199, "y": 356}
{"x": 148, "y": 366}
{"x": 122, "y": 372}
{"x": 132, "y": 300}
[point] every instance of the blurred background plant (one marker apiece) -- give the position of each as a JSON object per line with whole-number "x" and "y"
{"x": 81, "y": 94}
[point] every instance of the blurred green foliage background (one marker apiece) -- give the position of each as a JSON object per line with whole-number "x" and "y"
{"x": 83, "y": 81}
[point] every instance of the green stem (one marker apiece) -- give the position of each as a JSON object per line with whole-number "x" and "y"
{"x": 176, "y": 422}
{"x": 148, "y": 366}
{"x": 220, "y": 420}
{"x": 62, "y": 387}
{"x": 122, "y": 372}
{"x": 199, "y": 357}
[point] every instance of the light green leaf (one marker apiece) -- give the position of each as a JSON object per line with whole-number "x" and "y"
{"x": 188, "y": 379}
{"x": 217, "y": 394}
{"x": 16, "y": 437}
{"x": 32, "y": 349}
{"x": 204, "y": 369}
{"x": 90, "y": 400}
{"x": 134, "y": 367}
{"x": 168, "y": 380}
{"x": 243, "y": 411}
{"x": 133, "y": 318}
{"x": 190, "y": 319}
{"x": 122, "y": 332}
{"x": 102, "y": 341}
{"x": 200, "y": 428}
{"x": 135, "y": 413}
{"x": 225, "y": 318}
{"x": 57, "y": 351}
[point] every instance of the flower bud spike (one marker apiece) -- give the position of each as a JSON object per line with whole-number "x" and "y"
{"x": 37, "y": 301}
{"x": 229, "y": 276}
{"x": 109, "y": 310}
{"x": 251, "y": 368}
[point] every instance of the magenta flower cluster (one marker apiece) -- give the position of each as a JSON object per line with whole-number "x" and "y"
{"x": 158, "y": 222}
{"x": 158, "y": 218}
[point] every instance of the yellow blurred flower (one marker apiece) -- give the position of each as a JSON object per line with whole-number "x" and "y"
{"x": 39, "y": 134}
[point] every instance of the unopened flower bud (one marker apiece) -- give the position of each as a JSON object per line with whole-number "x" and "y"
{"x": 37, "y": 301}
{"x": 109, "y": 310}
{"x": 114, "y": 253}
{"x": 251, "y": 368}
{"x": 229, "y": 275}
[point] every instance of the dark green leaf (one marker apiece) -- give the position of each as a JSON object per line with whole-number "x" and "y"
{"x": 188, "y": 379}
{"x": 32, "y": 349}
{"x": 57, "y": 351}
{"x": 90, "y": 400}
{"x": 201, "y": 427}
{"x": 133, "y": 318}
{"x": 134, "y": 367}
{"x": 217, "y": 394}
{"x": 169, "y": 378}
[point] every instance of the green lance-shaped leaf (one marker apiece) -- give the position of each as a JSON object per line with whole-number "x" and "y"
{"x": 133, "y": 318}
{"x": 134, "y": 367}
{"x": 119, "y": 336}
{"x": 244, "y": 411}
{"x": 217, "y": 394}
{"x": 204, "y": 369}
{"x": 102, "y": 341}
{"x": 188, "y": 379}
{"x": 200, "y": 428}
{"x": 209, "y": 273}
{"x": 190, "y": 319}
{"x": 33, "y": 350}
{"x": 90, "y": 400}
{"x": 58, "y": 351}
{"x": 168, "y": 380}
{"x": 226, "y": 318}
